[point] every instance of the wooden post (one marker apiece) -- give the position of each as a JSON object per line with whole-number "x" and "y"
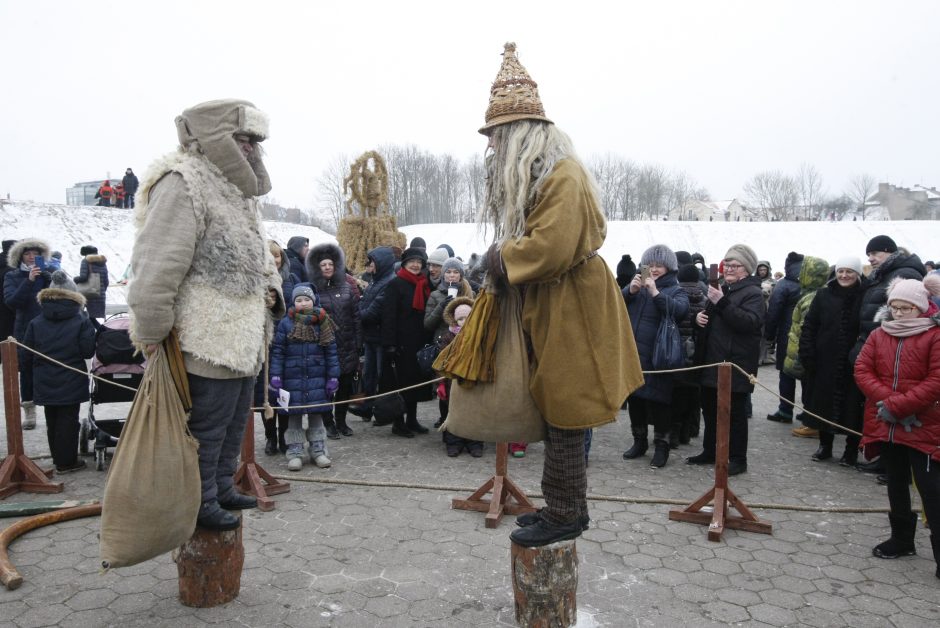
{"x": 545, "y": 584}
{"x": 251, "y": 478}
{"x": 210, "y": 567}
{"x": 17, "y": 471}
{"x": 504, "y": 490}
{"x": 720, "y": 495}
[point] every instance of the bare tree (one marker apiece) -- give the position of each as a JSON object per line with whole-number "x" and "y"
{"x": 331, "y": 199}
{"x": 810, "y": 186}
{"x": 774, "y": 193}
{"x": 837, "y": 207}
{"x": 860, "y": 189}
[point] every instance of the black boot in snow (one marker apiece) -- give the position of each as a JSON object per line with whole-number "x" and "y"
{"x": 661, "y": 454}
{"x": 901, "y": 542}
{"x": 640, "y": 445}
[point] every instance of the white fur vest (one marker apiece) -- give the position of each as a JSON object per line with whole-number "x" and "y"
{"x": 219, "y": 309}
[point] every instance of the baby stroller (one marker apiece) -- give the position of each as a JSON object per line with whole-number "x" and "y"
{"x": 114, "y": 361}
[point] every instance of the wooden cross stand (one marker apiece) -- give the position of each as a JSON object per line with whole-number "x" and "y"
{"x": 720, "y": 495}
{"x": 17, "y": 471}
{"x": 251, "y": 478}
{"x": 504, "y": 490}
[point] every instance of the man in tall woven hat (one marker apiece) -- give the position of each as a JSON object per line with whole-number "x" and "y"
{"x": 202, "y": 266}
{"x": 543, "y": 205}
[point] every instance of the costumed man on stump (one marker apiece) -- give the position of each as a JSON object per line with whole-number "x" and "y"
{"x": 543, "y": 205}
{"x": 201, "y": 265}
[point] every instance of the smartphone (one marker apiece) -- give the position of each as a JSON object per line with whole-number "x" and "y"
{"x": 644, "y": 272}
{"x": 713, "y": 275}
{"x": 40, "y": 262}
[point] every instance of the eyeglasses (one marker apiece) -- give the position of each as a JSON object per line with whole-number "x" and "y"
{"x": 904, "y": 309}
{"x": 734, "y": 267}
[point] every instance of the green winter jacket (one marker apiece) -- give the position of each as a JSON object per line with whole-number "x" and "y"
{"x": 813, "y": 276}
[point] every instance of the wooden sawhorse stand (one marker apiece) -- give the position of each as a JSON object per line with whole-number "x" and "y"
{"x": 720, "y": 494}
{"x": 17, "y": 471}
{"x": 251, "y": 478}
{"x": 504, "y": 490}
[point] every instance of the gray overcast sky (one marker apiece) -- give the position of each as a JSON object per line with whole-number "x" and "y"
{"x": 718, "y": 89}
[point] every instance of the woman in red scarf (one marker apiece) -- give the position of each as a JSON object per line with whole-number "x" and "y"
{"x": 403, "y": 334}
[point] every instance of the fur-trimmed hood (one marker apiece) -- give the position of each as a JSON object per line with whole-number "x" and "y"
{"x": 452, "y": 307}
{"x": 320, "y": 252}
{"x": 96, "y": 259}
{"x": 15, "y": 256}
{"x": 59, "y": 304}
{"x": 55, "y": 294}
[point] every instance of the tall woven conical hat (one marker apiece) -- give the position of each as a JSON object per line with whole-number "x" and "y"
{"x": 514, "y": 95}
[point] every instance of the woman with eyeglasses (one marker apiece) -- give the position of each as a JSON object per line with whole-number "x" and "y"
{"x": 897, "y": 371}
{"x": 732, "y": 322}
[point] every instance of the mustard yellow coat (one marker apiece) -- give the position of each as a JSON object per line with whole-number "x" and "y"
{"x": 585, "y": 359}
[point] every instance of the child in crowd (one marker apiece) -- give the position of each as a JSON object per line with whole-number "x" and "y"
{"x": 304, "y": 362}
{"x": 64, "y": 333}
{"x": 455, "y": 314}
{"x": 897, "y": 372}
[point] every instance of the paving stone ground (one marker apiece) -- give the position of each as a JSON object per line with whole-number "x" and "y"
{"x": 393, "y": 553}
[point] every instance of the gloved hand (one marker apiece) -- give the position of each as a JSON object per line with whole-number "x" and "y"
{"x": 442, "y": 391}
{"x": 331, "y": 385}
{"x": 884, "y": 414}
{"x": 909, "y": 422}
{"x": 275, "y": 383}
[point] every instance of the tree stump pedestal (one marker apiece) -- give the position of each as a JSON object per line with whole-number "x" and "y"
{"x": 210, "y": 567}
{"x": 545, "y": 584}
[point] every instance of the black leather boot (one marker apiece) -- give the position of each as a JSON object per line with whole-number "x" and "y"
{"x": 661, "y": 454}
{"x": 331, "y": 432}
{"x": 935, "y": 544}
{"x": 399, "y": 429}
{"x": 413, "y": 425}
{"x": 342, "y": 427}
{"x": 640, "y": 445}
{"x": 901, "y": 542}
{"x": 824, "y": 451}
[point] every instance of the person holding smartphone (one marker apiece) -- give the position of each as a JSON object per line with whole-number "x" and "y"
{"x": 732, "y": 321}
{"x": 21, "y": 286}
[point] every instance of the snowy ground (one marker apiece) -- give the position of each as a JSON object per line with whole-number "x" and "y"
{"x": 67, "y": 228}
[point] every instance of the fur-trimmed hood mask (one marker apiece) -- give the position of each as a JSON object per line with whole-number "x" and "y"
{"x": 15, "y": 256}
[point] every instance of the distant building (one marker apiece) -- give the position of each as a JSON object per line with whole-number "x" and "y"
{"x": 915, "y": 203}
{"x": 710, "y": 211}
{"x": 84, "y": 193}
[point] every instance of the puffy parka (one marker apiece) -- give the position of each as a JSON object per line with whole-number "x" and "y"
{"x": 19, "y": 293}
{"x": 303, "y": 368}
{"x": 902, "y": 372}
{"x": 733, "y": 332}
{"x": 64, "y": 333}
{"x": 813, "y": 276}
{"x": 370, "y": 307}
{"x": 646, "y": 312}
{"x": 95, "y": 264}
{"x": 340, "y": 299}
{"x": 898, "y": 264}
{"x": 780, "y": 306}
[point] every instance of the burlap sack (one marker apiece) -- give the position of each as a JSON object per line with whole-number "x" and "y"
{"x": 502, "y": 410}
{"x": 153, "y": 493}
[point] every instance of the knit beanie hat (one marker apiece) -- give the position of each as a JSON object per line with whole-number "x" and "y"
{"x": 932, "y": 283}
{"x": 461, "y": 311}
{"x": 660, "y": 254}
{"x": 418, "y": 243}
{"x": 304, "y": 290}
{"x": 438, "y": 256}
{"x": 850, "y": 262}
{"x": 745, "y": 255}
{"x": 881, "y": 243}
{"x": 62, "y": 281}
{"x": 453, "y": 264}
{"x": 88, "y": 250}
{"x": 683, "y": 258}
{"x": 626, "y": 268}
{"x": 413, "y": 252}
{"x": 297, "y": 244}
{"x": 688, "y": 273}
{"x": 448, "y": 248}
{"x": 910, "y": 290}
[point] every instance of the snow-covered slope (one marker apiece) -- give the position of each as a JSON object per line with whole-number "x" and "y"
{"x": 67, "y": 228}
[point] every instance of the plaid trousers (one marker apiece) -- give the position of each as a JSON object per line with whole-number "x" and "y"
{"x": 564, "y": 476}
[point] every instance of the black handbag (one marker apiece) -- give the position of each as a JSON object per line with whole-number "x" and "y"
{"x": 426, "y": 356}
{"x": 668, "y": 352}
{"x": 391, "y": 407}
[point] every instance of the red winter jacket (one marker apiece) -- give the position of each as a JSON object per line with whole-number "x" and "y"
{"x": 905, "y": 374}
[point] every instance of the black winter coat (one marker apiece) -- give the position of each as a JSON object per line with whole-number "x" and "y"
{"x": 780, "y": 309}
{"x": 131, "y": 183}
{"x": 373, "y": 299}
{"x": 19, "y": 294}
{"x": 94, "y": 264}
{"x": 646, "y": 313}
{"x": 62, "y": 332}
{"x": 7, "y": 314}
{"x": 296, "y": 266}
{"x": 340, "y": 299}
{"x": 733, "y": 333}
{"x": 695, "y": 291}
{"x": 827, "y": 337}
{"x": 898, "y": 264}
{"x": 403, "y": 329}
